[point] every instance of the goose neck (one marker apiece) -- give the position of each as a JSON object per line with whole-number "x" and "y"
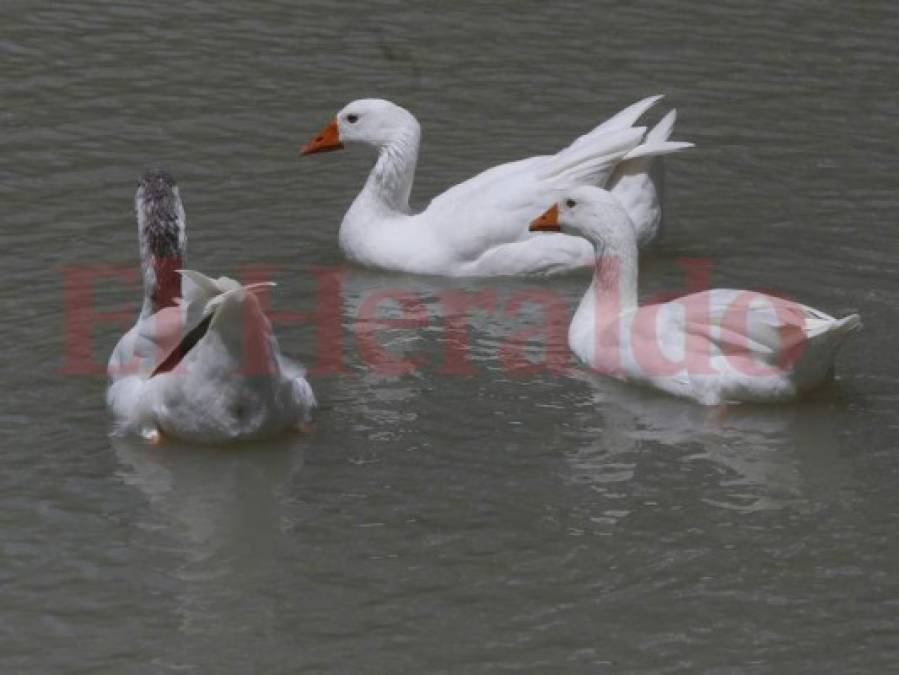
{"x": 613, "y": 290}
{"x": 162, "y": 248}
{"x": 389, "y": 184}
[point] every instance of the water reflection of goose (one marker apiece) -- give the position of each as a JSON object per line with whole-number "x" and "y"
{"x": 458, "y": 338}
{"x": 221, "y": 514}
{"x": 748, "y": 458}
{"x": 476, "y": 317}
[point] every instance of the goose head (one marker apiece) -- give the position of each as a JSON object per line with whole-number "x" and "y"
{"x": 162, "y": 233}
{"x": 372, "y": 121}
{"x": 589, "y": 212}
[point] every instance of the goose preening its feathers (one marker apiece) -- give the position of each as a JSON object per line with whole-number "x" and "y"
{"x": 480, "y": 227}
{"x": 718, "y": 346}
{"x": 201, "y": 363}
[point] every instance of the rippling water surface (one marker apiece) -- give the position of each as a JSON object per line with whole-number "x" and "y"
{"x": 499, "y": 520}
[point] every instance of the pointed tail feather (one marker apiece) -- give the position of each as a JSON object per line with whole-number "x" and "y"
{"x": 656, "y": 142}
{"x": 621, "y": 120}
{"x": 848, "y": 324}
{"x": 592, "y": 156}
{"x": 638, "y": 180}
{"x": 204, "y": 288}
{"x": 196, "y": 286}
{"x": 656, "y": 148}
{"x": 663, "y": 129}
{"x": 591, "y": 162}
{"x": 820, "y": 326}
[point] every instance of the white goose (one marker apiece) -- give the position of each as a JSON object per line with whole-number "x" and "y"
{"x": 479, "y": 227}
{"x": 718, "y": 346}
{"x": 204, "y": 367}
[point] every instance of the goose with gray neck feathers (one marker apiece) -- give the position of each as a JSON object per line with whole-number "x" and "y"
{"x": 201, "y": 363}
{"x": 479, "y": 227}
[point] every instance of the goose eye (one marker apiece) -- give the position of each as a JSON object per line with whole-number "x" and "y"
{"x": 352, "y": 119}
{"x": 570, "y": 203}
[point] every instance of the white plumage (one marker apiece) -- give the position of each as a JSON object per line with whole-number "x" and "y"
{"x": 718, "y": 346}
{"x": 203, "y": 367}
{"x": 479, "y": 227}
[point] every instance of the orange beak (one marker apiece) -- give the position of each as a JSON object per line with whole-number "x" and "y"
{"x": 548, "y": 222}
{"x": 327, "y": 139}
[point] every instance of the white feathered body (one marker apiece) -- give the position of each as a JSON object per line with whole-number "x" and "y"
{"x": 480, "y": 227}
{"x": 718, "y": 346}
{"x": 233, "y": 384}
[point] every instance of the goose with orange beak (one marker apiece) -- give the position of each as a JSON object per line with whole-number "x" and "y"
{"x": 479, "y": 227}
{"x": 326, "y": 140}
{"x": 715, "y": 347}
{"x": 548, "y": 221}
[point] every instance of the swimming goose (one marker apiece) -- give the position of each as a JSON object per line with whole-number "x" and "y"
{"x": 201, "y": 362}
{"x": 480, "y": 227}
{"x": 718, "y": 346}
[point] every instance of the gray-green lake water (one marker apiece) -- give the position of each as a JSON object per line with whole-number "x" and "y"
{"x": 500, "y": 521}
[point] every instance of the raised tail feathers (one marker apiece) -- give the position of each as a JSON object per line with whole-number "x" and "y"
{"x": 201, "y": 288}
{"x": 621, "y": 120}
{"x": 664, "y": 127}
{"x": 615, "y": 145}
{"x": 620, "y": 157}
{"x": 638, "y": 180}
{"x": 656, "y": 142}
{"x": 591, "y": 162}
{"x": 655, "y": 149}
